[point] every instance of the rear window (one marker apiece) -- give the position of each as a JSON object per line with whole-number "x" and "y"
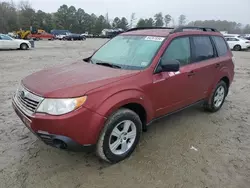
{"x": 203, "y": 48}
{"x": 231, "y": 39}
{"x": 221, "y": 45}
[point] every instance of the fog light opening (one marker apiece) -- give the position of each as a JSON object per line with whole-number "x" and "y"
{"x": 59, "y": 144}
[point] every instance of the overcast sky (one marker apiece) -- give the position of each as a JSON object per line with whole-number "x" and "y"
{"x": 233, "y": 10}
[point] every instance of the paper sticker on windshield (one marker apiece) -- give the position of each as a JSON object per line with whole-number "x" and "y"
{"x": 144, "y": 64}
{"x": 159, "y": 39}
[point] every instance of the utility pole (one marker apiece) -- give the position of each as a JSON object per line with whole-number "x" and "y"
{"x": 132, "y": 19}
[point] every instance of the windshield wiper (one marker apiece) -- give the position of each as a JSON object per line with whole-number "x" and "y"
{"x": 108, "y": 65}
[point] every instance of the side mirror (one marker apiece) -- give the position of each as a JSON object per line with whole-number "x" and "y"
{"x": 169, "y": 65}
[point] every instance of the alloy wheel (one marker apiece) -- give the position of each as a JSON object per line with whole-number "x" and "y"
{"x": 122, "y": 137}
{"x": 219, "y": 96}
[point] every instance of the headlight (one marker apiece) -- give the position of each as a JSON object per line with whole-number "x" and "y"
{"x": 60, "y": 106}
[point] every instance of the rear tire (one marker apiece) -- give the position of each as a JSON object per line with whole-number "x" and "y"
{"x": 119, "y": 136}
{"x": 24, "y": 46}
{"x": 217, "y": 97}
{"x": 237, "y": 48}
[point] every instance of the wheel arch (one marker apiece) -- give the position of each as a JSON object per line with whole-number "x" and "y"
{"x": 225, "y": 77}
{"x": 134, "y": 100}
{"x": 226, "y": 80}
{"x": 240, "y": 45}
{"x": 140, "y": 111}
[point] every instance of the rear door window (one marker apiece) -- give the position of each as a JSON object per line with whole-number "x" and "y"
{"x": 202, "y": 48}
{"x": 221, "y": 45}
{"x": 232, "y": 39}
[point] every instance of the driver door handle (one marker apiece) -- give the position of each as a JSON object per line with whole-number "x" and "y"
{"x": 191, "y": 73}
{"x": 217, "y": 65}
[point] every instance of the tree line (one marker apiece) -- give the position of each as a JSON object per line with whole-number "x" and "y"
{"x": 14, "y": 17}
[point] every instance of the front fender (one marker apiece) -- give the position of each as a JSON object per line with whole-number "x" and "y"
{"x": 121, "y": 98}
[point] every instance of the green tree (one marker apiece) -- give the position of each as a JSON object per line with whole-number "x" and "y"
{"x": 158, "y": 20}
{"x": 40, "y": 18}
{"x": 78, "y": 25}
{"x": 123, "y": 24}
{"x": 8, "y": 17}
{"x": 89, "y": 23}
{"x": 167, "y": 20}
{"x": 101, "y": 23}
{"x": 116, "y": 22}
{"x": 231, "y": 27}
{"x": 149, "y": 22}
{"x": 66, "y": 17}
{"x": 141, "y": 23}
{"x": 246, "y": 29}
{"x": 27, "y": 16}
{"x": 182, "y": 20}
{"x": 49, "y": 22}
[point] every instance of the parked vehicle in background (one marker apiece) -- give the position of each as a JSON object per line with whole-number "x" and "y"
{"x": 7, "y": 42}
{"x": 232, "y": 35}
{"x": 248, "y": 38}
{"x": 73, "y": 36}
{"x": 62, "y": 36}
{"x": 110, "y": 33}
{"x": 237, "y": 43}
{"x": 42, "y": 36}
{"x": 56, "y": 32}
{"x": 137, "y": 77}
{"x": 22, "y": 34}
{"x": 34, "y": 34}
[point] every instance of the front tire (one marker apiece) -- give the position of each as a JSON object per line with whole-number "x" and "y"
{"x": 218, "y": 97}
{"x": 119, "y": 136}
{"x": 24, "y": 46}
{"x": 237, "y": 48}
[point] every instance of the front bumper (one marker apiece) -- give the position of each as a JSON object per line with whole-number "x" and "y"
{"x": 74, "y": 131}
{"x": 63, "y": 142}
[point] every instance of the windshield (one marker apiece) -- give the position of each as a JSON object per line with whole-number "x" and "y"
{"x": 128, "y": 52}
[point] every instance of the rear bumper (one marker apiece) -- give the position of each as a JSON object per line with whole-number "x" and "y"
{"x": 246, "y": 47}
{"x": 74, "y": 131}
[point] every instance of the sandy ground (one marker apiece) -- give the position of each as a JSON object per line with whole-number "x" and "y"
{"x": 163, "y": 158}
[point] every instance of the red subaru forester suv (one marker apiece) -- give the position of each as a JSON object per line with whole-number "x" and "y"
{"x": 135, "y": 78}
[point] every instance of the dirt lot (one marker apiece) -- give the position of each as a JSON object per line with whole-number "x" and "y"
{"x": 163, "y": 158}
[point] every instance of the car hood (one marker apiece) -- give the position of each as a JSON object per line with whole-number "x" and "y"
{"x": 73, "y": 80}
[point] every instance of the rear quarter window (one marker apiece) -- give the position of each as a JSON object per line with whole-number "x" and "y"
{"x": 220, "y": 45}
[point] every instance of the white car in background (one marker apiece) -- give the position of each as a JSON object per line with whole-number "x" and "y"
{"x": 237, "y": 43}
{"x": 7, "y": 42}
{"x": 62, "y": 36}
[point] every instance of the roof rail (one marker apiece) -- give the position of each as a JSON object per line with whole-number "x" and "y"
{"x": 182, "y": 28}
{"x": 142, "y": 28}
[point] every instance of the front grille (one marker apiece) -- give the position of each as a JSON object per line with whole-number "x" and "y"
{"x": 27, "y": 100}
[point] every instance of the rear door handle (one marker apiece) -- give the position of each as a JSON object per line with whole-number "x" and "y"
{"x": 217, "y": 65}
{"x": 191, "y": 73}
